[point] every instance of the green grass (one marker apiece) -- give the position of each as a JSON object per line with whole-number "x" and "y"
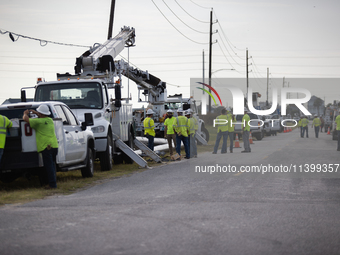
{"x": 23, "y": 190}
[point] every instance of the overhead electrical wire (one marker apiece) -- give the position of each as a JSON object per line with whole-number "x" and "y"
{"x": 183, "y": 21}
{"x": 42, "y": 42}
{"x": 176, "y": 27}
{"x": 200, "y": 5}
{"x": 190, "y": 14}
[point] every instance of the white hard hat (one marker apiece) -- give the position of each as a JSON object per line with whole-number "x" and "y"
{"x": 180, "y": 110}
{"x": 43, "y": 109}
{"x": 187, "y": 112}
{"x": 315, "y": 115}
{"x": 170, "y": 111}
{"x": 150, "y": 111}
{"x": 245, "y": 109}
{"x": 228, "y": 109}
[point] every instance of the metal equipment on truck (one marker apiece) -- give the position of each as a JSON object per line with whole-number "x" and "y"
{"x": 87, "y": 91}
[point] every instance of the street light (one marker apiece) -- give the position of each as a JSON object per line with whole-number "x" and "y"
{"x": 218, "y": 70}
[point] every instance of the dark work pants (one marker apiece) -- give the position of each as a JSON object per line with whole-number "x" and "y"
{"x": 49, "y": 159}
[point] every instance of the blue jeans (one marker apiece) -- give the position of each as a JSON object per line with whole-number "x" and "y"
{"x": 49, "y": 159}
{"x": 218, "y": 139}
{"x": 303, "y": 131}
{"x": 185, "y": 140}
{"x": 317, "y": 131}
{"x": 231, "y": 140}
{"x": 151, "y": 140}
{"x": 1, "y": 152}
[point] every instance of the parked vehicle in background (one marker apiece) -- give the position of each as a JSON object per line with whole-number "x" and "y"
{"x": 273, "y": 125}
{"x": 75, "y": 140}
{"x": 256, "y": 129}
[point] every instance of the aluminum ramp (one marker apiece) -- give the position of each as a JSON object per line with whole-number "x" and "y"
{"x": 147, "y": 151}
{"x": 128, "y": 151}
{"x": 201, "y": 139}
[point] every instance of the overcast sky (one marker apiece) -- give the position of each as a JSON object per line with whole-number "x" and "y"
{"x": 292, "y": 38}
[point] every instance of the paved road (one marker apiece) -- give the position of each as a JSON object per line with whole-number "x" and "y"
{"x": 174, "y": 210}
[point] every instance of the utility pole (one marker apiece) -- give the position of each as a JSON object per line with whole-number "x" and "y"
{"x": 247, "y": 72}
{"x": 112, "y": 13}
{"x": 210, "y": 54}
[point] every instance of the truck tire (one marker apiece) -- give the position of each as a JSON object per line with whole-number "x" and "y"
{"x": 89, "y": 169}
{"x": 205, "y": 135}
{"x": 106, "y": 156}
{"x": 259, "y": 136}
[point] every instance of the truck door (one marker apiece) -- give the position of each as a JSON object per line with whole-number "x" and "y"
{"x": 71, "y": 142}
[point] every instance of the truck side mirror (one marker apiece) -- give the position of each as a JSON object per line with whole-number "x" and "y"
{"x": 88, "y": 121}
{"x": 23, "y": 95}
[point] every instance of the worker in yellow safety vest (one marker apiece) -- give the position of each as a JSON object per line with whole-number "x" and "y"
{"x": 300, "y": 126}
{"x": 4, "y": 124}
{"x": 149, "y": 128}
{"x": 304, "y": 123}
{"x": 337, "y": 121}
{"x": 231, "y": 128}
{"x": 246, "y": 131}
{"x": 222, "y": 131}
{"x": 181, "y": 128}
{"x": 192, "y": 133}
{"x": 316, "y": 123}
{"x": 169, "y": 132}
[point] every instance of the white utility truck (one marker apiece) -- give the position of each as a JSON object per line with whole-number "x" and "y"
{"x": 87, "y": 91}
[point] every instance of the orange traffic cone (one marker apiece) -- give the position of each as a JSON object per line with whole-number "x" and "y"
{"x": 285, "y": 130}
{"x": 290, "y": 129}
{"x": 251, "y": 139}
{"x": 237, "y": 142}
{"x": 329, "y": 131}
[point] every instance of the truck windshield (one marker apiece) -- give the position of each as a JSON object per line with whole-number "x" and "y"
{"x": 75, "y": 95}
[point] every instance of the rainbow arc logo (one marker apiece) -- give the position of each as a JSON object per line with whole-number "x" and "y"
{"x": 212, "y": 89}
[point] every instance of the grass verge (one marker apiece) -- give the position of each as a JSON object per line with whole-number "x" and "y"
{"x": 24, "y": 190}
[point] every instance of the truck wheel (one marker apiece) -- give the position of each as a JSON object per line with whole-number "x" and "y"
{"x": 259, "y": 136}
{"x": 89, "y": 169}
{"x": 204, "y": 134}
{"x": 106, "y": 157}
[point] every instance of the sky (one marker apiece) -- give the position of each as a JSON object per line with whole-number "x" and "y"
{"x": 291, "y": 39}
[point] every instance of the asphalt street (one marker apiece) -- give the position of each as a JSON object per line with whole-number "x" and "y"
{"x": 196, "y": 206}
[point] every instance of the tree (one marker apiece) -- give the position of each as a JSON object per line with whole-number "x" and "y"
{"x": 317, "y": 103}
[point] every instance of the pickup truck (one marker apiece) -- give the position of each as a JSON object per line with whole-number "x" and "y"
{"x": 75, "y": 140}
{"x": 256, "y": 129}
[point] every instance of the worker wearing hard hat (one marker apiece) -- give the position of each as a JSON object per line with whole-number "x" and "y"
{"x": 169, "y": 132}
{"x": 46, "y": 139}
{"x": 181, "y": 128}
{"x": 246, "y": 131}
{"x": 4, "y": 124}
{"x": 231, "y": 128}
{"x": 222, "y": 131}
{"x": 149, "y": 128}
{"x": 337, "y": 121}
{"x": 193, "y": 127}
{"x": 304, "y": 123}
{"x": 316, "y": 123}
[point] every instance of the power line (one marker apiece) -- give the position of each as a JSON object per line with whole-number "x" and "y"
{"x": 190, "y": 14}
{"x": 183, "y": 21}
{"x": 42, "y": 42}
{"x": 200, "y": 5}
{"x": 174, "y": 26}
